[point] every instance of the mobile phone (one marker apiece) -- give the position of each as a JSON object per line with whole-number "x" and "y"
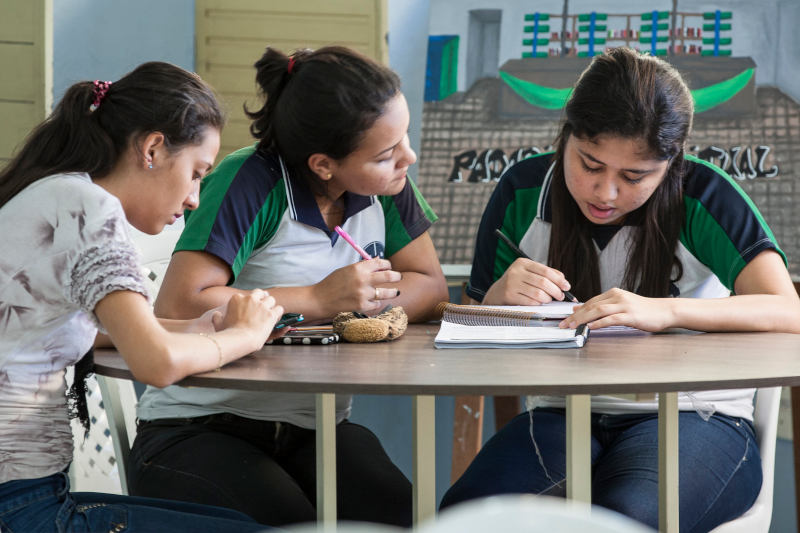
{"x": 303, "y": 337}
{"x": 289, "y": 319}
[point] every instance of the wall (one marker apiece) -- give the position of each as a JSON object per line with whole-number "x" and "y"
{"x": 765, "y": 30}
{"x": 408, "y": 47}
{"x": 96, "y": 39}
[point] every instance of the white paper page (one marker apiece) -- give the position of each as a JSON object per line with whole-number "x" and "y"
{"x": 450, "y": 332}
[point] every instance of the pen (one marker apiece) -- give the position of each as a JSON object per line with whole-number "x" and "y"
{"x": 352, "y": 243}
{"x": 567, "y": 295}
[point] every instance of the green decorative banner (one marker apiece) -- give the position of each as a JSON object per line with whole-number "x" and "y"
{"x": 719, "y": 93}
{"x": 551, "y": 98}
{"x": 537, "y": 95}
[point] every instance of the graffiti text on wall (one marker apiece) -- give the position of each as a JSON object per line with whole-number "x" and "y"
{"x": 741, "y": 162}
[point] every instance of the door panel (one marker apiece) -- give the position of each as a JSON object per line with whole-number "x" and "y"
{"x": 232, "y": 34}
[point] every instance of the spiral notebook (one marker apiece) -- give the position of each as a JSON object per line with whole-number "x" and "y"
{"x": 473, "y": 326}
{"x": 506, "y": 315}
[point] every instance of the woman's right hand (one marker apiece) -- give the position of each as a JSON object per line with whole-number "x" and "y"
{"x": 353, "y": 288}
{"x": 527, "y": 282}
{"x": 254, "y": 313}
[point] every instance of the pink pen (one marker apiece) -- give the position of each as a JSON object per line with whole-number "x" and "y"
{"x": 352, "y": 243}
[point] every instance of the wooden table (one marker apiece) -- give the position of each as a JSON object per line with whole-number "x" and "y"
{"x": 664, "y": 363}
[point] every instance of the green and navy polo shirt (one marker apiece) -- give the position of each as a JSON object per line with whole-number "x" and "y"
{"x": 265, "y": 224}
{"x": 721, "y": 232}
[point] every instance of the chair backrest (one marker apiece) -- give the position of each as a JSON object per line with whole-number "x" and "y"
{"x": 119, "y": 395}
{"x": 765, "y": 420}
{"x": 119, "y": 402}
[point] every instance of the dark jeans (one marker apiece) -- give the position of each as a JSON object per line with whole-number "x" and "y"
{"x": 266, "y": 469}
{"x": 45, "y": 505}
{"x": 719, "y": 465}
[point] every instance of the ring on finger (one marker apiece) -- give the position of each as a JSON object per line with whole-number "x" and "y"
{"x": 377, "y": 295}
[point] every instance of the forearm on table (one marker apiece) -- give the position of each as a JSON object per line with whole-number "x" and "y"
{"x": 419, "y": 295}
{"x": 159, "y": 357}
{"x": 748, "y": 312}
{"x": 173, "y": 356}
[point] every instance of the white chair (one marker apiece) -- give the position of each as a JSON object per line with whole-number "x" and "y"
{"x": 526, "y": 513}
{"x": 765, "y": 420}
{"x": 119, "y": 402}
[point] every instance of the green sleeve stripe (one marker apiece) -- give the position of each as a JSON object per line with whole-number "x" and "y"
{"x": 720, "y": 254}
{"x": 423, "y": 203}
{"x": 738, "y": 189}
{"x": 518, "y": 218}
{"x": 398, "y": 233}
{"x": 212, "y": 193}
{"x": 263, "y": 228}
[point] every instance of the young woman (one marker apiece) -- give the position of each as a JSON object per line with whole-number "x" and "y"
{"x": 133, "y": 150}
{"x": 647, "y": 237}
{"x": 332, "y": 150}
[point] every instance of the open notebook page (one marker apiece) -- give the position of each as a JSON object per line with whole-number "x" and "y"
{"x": 460, "y": 336}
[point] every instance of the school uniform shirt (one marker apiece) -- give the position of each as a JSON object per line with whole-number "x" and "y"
{"x": 65, "y": 245}
{"x": 266, "y": 225}
{"x": 721, "y": 232}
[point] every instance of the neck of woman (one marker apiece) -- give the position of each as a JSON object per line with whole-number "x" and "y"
{"x": 332, "y": 210}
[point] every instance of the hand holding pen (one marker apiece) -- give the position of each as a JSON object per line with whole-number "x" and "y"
{"x": 527, "y": 282}
{"x": 359, "y": 286}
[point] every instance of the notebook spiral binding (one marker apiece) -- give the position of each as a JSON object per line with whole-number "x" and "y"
{"x": 486, "y": 316}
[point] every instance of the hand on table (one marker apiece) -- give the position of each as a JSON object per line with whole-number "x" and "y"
{"x": 254, "y": 312}
{"x": 618, "y": 307}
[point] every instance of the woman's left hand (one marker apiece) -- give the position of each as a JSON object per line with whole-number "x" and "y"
{"x": 617, "y": 307}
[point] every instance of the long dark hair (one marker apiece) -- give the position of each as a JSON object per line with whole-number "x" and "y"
{"x": 74, "y": 138}
{"x": 77, "y": 137}
{"x": 625, "y": 94}
{"x": 320, "y": 101}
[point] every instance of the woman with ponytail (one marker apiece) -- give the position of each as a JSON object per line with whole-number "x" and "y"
{"x": 111, "y": 153}
{"x": 332, "y": 150}
{"x": 646, "y": 236}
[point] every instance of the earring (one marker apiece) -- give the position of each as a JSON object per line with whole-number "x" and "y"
{"x": 329, "y": 175}
{"x": 150, "y": 166}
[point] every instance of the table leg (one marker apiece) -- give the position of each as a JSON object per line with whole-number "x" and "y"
{"x": 795, "y": 394}
{"x": 326, "y": 460}
{"x": 424, "y": 435}
{"x": 668, "y": 462}
{"x": 579, "y": 452}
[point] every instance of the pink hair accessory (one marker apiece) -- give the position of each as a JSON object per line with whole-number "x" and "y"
{"x": 290, "y": 66}
{"x": 99, "y": 92}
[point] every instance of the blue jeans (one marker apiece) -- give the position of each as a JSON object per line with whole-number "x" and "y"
{"x": 719, "y": 465}
{"x": 46, "y": 505}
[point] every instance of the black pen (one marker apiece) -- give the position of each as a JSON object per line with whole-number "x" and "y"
{"x": 567, "y": 295}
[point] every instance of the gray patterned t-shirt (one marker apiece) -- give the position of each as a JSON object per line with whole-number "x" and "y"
{"x": 64, "y": 245}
